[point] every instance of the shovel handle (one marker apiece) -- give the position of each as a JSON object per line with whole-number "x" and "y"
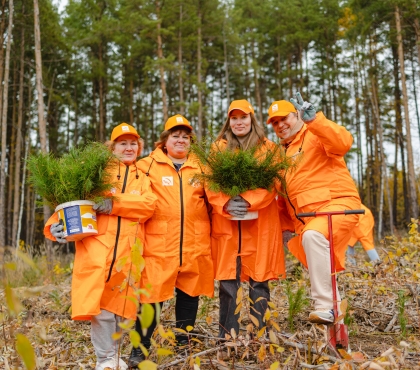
{"x": 332, "y": 213}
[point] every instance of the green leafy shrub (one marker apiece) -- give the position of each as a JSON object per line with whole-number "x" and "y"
{"x": 234, "y": 172}
{"x": 80, "y": 174}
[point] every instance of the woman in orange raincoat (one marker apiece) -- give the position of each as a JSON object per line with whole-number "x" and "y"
{"x": 178, "y": 246}
{"x": 244, "y": 250}
{"x": 321, "y": 182}
{"x": 95, "y": 285}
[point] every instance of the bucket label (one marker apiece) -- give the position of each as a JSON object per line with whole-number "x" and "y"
{"x": 73, "y": 221}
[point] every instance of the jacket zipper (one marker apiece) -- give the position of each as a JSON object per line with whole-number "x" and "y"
{"x": 182, "y": 219}
{"x": 118, "y": 227}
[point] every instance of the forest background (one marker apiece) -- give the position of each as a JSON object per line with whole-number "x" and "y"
{"x": 69, "y": 76}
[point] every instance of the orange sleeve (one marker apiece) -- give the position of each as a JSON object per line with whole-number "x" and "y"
{"x": 136, "y": 206}
{"x": 217, "y": 201}
{"x": 52, "y": 220}
{"x": 335, "y": 139}
{"x": 258, "y": 198}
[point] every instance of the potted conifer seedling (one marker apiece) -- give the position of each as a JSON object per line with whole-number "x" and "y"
{"x": 72, "y": 184}
{"x": 234, "y": 172}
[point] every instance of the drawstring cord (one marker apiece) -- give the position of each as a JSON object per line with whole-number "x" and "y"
{"x": 119, "y": 171}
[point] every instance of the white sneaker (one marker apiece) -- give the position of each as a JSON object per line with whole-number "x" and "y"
{"x": 322, "y": 316}
{"x": 111, "y": 364}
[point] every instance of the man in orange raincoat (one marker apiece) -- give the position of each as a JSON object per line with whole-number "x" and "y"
{"x": 96, "y": 283}
{"x": 321, "y": 182}
{"x": 363, "y": 233}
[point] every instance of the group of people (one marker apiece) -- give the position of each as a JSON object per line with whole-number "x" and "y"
{"x": 190, "y": 237}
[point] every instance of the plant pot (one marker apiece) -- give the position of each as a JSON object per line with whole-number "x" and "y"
{"x": 248, "y": 216}
{"x": 78, "y": 219}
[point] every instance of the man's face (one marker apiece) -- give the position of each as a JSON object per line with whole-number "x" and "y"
{"x": 283, "y": 126}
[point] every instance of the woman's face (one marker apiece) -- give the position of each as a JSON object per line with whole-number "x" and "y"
{"x": 240, "y": 123}
{"x": 126, "y": 148}
{"x": 178, "y": 144}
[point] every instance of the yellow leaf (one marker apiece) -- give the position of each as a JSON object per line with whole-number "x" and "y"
{"x": 267, "y": 315}
{"x": 164, "y": 352}
{"x": 280, "y": 349}
{"x": 123, "y": 285}
{"x": 25, "y": 258}
{"x": 276, "y": 326}
{"x": 259, "y": 299}
{"x": 162, "y": 332}
{"x": 13, "y": 304}
{"x": 26, "y": 351}
{"x": 197, "y": 361}
{"x": 144, "y": 350}
{"x": 147, "y": 365}
{"x": 134, "y": 338}
{"x": 344, "y": 354}
{"x": 121, "y": 263}
{"x": 238, "y": 308}
{"x": 189, "y": 328}
{"x": 271, "y": 349}
{"x": 261, "y": 332}
{"x": 287, "y": 359}
{"x": 209, "y": 320}
{"x": 271, "y": 305}
{"x": 275, "y": 366}
{"x": 196, "y": 340}
{"x": 239, "y": 295}
{"x": 132, "y": 299}
{"x": 146, "y": 316}
{"x": 126, "y": 324}
{"x": 133, "y": 223}
{"x": 10, "y": 266}
{"x": 179, "y": 330}
{"x": 343, "y": 306}
{"x": 272, "y": 336}
{"x": 262, "y": 353}
{"x": 254, "y": 320}
{"x": 117, "y": 335}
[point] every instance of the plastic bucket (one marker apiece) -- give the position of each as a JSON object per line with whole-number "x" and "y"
{"x": 78, "y": 219}
{"x": 248, "y": 216}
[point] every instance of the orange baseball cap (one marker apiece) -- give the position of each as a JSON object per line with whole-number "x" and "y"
{"x": 177, "y": 120}
{"x": 243, "y": 105}
{"x": 123, "y": 129}
{"x": 280, "y": 108}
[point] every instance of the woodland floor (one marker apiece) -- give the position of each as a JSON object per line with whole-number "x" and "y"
{"x": 383, "y": 302}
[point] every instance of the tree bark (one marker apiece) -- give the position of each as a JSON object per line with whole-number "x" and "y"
{"x": 4, "y": 126}
{"x": 101, "y": 94}
{"x": 3, "y": 24}
{"x": 161, "y": 68}
{"x": 225, "y": 55}
{"x": 181, "y": 69}
{"x": 257, "y": 84}
{"x": 41, "y": 114}
{"x": 414, "y": 211}
{"x": 199, "y": 92}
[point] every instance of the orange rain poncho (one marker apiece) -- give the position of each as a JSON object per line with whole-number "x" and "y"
{"x": 321, "y": 182}
{"x": 257, "y": 241}
{"x": 363, "y": 232}
{"x": 95, "y": 283}
{"x": 178, "y": 245}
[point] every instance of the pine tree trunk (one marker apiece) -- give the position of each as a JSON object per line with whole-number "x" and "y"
{"x": 199, "y": 92}
{"x": 17, "y": 210}
{"x": 41, "y": 115}
{"x": 414, "y": 211}
{"x": 161, "y": 68}
{"x": 225, "y": 55}
{"x": 417, "y": 31}
{"x": 415, "y": 91}
{"x": 4, "y": 127}
{"x": 257, "y": 84}
{"x": 3, "y": 24}
{"x": 181, "y": 68}
{"x": 101, "y": 94}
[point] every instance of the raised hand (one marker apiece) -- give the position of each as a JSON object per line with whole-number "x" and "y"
{"x": 307, "y": 110}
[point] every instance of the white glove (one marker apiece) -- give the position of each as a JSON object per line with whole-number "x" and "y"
{"x": 237, "y": 206}
{"x": 103, "y": 207}
{"x": 56, "y": 230}
{"x": 287, "y": 235}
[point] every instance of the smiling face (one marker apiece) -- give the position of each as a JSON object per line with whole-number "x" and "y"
{"x": 239, "y": 122}
{"x": 178, "y": 144}
{"x": 283, "y": 126}
{"x": 126, "y": 148}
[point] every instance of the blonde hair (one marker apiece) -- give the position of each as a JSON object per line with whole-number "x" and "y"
{"x": 255, "y": 136}
{"x": 111, "y": 145}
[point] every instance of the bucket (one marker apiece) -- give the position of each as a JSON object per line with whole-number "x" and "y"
{"x": 78, "y": 219}
{"x": 252, "y": 215}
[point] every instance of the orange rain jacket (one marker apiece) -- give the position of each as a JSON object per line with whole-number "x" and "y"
{"x": 95, "y": 283}
{"x": 257, "y": 241}
{"x": 363, "y": 232}
{"x": 178, "y": 245}
{"x": 321, "y": 182}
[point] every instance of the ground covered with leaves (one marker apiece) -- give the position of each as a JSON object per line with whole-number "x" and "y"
{"x": 382, "y": 314}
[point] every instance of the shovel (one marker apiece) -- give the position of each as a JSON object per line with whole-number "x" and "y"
{"x": 337, "y": 334}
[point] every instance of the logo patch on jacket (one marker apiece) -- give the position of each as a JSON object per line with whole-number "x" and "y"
{"x": 167, "y": 181}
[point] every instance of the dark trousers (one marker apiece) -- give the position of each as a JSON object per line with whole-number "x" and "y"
{"x": 227, "y": 296}
{"x": 185, "y": 314}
